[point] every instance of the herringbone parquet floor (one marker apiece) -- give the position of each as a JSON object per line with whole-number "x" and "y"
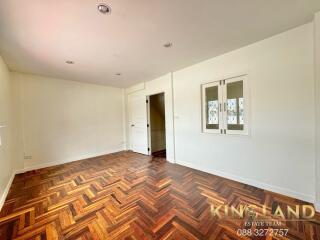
{"x": 130, "y": 196}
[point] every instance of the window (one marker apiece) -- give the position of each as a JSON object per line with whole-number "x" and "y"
{"x": 212, "y": 116}
{"x": 211, "y": 93}
{"x": 225, "y": 106}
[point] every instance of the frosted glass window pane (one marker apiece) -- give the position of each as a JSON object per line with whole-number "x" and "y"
{"x": 241, "y": 111}
{"x": 235, "y": 106}
{"x": 232, "y": 111}
{"x": 212, "y": 108}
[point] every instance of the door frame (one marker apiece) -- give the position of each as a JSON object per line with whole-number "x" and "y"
{"x": 148, "y": 125}
{"x": 149, "y": 150}
{"x": 148, "y": 119}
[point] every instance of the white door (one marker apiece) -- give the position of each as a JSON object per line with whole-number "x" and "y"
{"x": 138, "y": 123}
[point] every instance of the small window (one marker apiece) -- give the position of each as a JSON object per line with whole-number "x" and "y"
{"x": 225, "y": 106}
{"x": 211, "y": 93}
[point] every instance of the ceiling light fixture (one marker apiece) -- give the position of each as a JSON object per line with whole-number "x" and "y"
{"x": 69, "y": 62}
{"x": 168, "y": 45}
{"x": 104, "y": 8}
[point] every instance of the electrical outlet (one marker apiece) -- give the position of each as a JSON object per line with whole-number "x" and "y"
{"x": 27, "y": 157}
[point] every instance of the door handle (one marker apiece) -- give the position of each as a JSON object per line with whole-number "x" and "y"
{"x": 132, "y": 125}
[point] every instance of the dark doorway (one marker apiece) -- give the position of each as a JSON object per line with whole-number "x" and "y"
{"x": 157, "y": 125}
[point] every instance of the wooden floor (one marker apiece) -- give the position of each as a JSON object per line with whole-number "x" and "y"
{"x": 160, "y": 154}
{"x": 131, "y": 196}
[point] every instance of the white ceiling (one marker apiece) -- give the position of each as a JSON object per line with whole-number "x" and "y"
{"x": 38, "y": 36}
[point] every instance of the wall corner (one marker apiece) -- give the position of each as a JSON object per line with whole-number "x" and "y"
{"x": 317, "y": 105}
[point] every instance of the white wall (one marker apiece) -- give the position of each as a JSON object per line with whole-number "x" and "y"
{"x": 161, "y": 84}
{"x": 317, "y": 88}
{"x": 8, "y": 161}
{"x": 279, "y": 153}
{"x": 63, "y": 121}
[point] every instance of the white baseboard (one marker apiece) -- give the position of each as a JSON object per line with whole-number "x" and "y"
{"x": 170, "y": 160}
{"x": 265, "y": 186}
{"x": 6, "y": 190}
{"x": 55, "y": 163}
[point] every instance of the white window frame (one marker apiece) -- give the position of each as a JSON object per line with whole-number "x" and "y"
{"x": 204, "y": 107}
{"x": 222, "y": 98}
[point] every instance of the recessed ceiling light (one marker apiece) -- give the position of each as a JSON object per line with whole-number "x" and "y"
{"x": 69, "y": 62}
{"x": 168, "y": 45}
{"x": 104, "y": 8}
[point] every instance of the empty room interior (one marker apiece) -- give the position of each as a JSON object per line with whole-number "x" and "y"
{"x": 160, "y": 119}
